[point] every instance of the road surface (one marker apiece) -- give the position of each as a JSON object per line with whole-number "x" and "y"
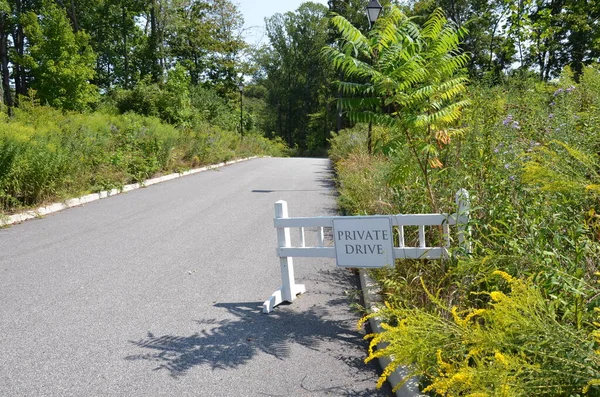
{"x": 158, "y": 292}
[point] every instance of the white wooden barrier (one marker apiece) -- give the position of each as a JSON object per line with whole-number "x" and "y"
{"x": 286, "y": 252}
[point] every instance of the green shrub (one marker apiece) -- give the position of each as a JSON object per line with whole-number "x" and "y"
{"x": 529, "y": 158}
{"x": 354, "y": 140}
{"x": 346, "y": 142}
{"x": 48, "y": 155}
{"x": 362, "y": 185}
{"x": 516, "y": 346}
{"x": 215, "y": 110}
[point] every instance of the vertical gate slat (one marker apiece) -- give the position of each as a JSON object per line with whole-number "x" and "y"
{"x": 446, "y": 231}
{"x": 401, "y": 244}
{"x": 422, "y": 243}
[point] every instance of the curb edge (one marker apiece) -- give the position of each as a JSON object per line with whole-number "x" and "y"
{"x": 78, "y": 201}
{"x": 371, "y": 297}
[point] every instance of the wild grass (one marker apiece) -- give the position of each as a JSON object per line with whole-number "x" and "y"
{"x": 48, "y": 155}
{"x": 529, "y": 158}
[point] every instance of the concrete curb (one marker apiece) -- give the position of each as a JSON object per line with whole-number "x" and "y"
{"x": 75, "y": 202}
{"x": 371, "y": 298}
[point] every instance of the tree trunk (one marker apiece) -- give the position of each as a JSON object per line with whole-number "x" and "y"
{"x": 288, "y": 124}
{"x": 125, "y": 49}
{"x": 19, "y": 43}
{"x": 339, "y": 122}
{"x": 279, "y": 119}
{"x": 154, "y": 42}
{"x": 6, "y": 96}
{"x": 71, "y": 13}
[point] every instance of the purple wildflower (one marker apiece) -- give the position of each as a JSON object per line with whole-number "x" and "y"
{"x": 512, "y": 178}
{"x": 508, "y": 120}
{"x": 551, "y": 116}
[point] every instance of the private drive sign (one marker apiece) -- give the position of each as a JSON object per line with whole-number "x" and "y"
{"x": 363, "y": 242}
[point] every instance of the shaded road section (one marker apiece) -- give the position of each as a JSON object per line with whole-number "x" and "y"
{"x": 158, "y": 292}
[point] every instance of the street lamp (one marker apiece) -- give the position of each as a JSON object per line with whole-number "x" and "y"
{"x": 241, "y": 88}
{"x": 373, "y": 11}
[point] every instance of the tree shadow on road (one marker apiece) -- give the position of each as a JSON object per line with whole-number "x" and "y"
{"x": 234, "y": 342}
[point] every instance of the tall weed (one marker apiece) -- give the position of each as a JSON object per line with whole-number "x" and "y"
{"x": 48, "y": 155}
{"x": 515, "y": 346}
{"x": 529, "y": 158}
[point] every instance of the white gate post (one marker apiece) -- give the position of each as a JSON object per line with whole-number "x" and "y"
{"x": 289, "y": 289}
{"x": 462, "y": 220}
{"x": 287, "y": 264}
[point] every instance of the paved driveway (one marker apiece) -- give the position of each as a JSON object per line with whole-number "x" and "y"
{"x": 158, "y": 292}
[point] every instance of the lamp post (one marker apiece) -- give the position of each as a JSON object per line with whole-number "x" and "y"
{"x": 241, "y": 88}
{"x": 373, "y": 12}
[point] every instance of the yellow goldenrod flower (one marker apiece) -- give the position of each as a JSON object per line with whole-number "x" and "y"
{"x": 501, "y": 358}
{"x": 497, "y": 296}
{"x": 505, "y": 276}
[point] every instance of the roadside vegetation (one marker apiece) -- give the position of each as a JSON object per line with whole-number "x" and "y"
{"x": 501, "y": 98}
{"x": 92, "y": 99}
{"x": 48, "y": 155}
{"x": 519, "y": 316}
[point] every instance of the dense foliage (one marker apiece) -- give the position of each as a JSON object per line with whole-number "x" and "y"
{"x": 155, "y": 84}
{"x": 296, "y": 77}
{"x": 411, "y": 81}
{"x": 48, "y": 155}
{"x": 72, "y": 51}
{"x": 540, "y": 35}
{"x": 518, "y": 317}
{"x": 116, "y": 43}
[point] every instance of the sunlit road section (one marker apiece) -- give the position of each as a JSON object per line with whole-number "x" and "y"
{"x": 158, "y": 292}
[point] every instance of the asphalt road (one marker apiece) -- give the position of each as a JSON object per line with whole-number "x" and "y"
{"x": 158, "y": 292}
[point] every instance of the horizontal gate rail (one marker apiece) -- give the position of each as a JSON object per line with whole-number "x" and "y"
{"x": 397, "y": 220}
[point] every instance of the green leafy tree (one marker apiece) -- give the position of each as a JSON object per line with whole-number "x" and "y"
{"x": 116, "y": 38}
{"x": 61, "y": 61}
{"x": 492, "y": 49}
{"x": 297, "y": 77}
{"x": 584, "y": 37}
{"x": 190, "y": 39}
{"x": 227, "y": 46}
{"x": 352, "y": 10}
{"x": 408, "y": 78}
{"x": 540, "y": 35}
{"x": 19, "y": 9}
